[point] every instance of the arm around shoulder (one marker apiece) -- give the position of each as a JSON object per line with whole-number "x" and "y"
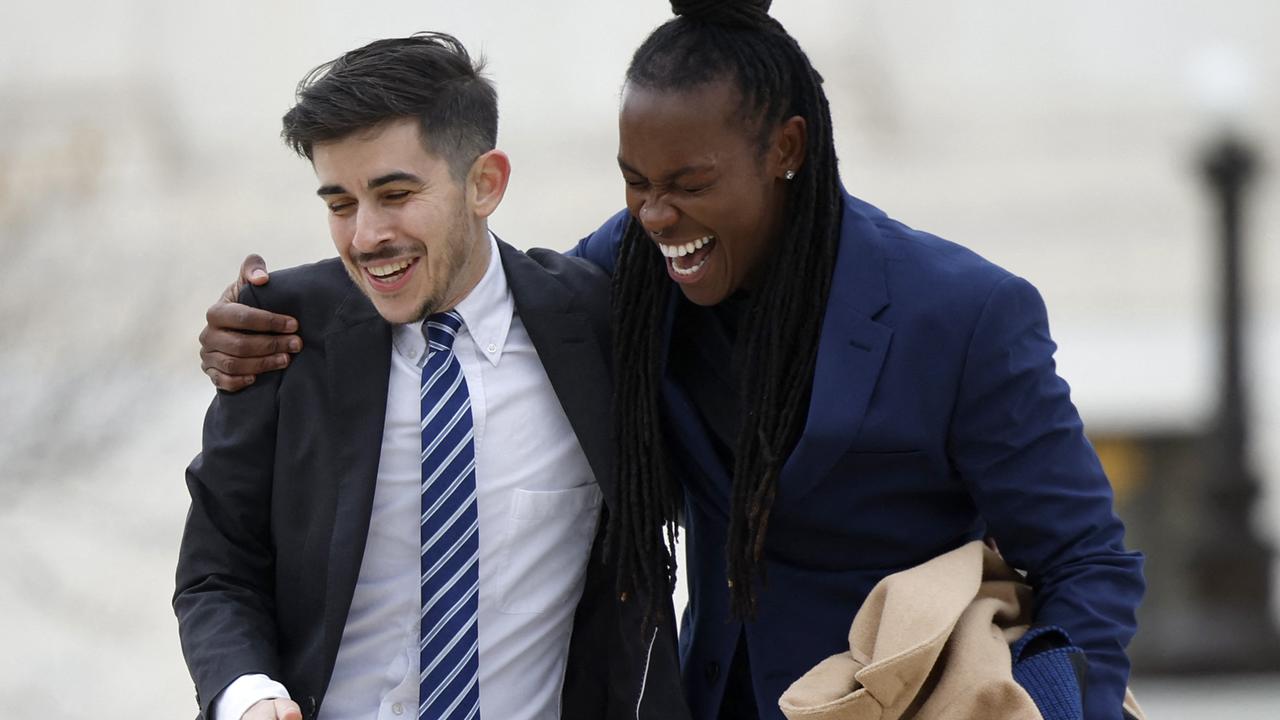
{"x": 601, "y": 247}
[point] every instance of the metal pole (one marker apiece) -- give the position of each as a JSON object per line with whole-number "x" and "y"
{"x": 1232, "y": 566}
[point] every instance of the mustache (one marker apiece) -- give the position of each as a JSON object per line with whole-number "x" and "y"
{"x": 383, "y": 253}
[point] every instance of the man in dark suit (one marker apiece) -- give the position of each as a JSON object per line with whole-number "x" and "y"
{"x": 407, "y": 519}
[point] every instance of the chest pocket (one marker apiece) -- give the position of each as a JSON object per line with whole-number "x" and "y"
{"x": 549, "y": 538}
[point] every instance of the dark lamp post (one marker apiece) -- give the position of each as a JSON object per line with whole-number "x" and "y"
{"x": 1232, "y": 567}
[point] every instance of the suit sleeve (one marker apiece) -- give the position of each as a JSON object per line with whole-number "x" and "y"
{"x": 225, "y": 586}
{"x": 1019, "y": 444}
{"x": 601, "y": 247}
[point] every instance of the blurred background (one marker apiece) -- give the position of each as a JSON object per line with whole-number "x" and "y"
{"x": 1112, "y": 153}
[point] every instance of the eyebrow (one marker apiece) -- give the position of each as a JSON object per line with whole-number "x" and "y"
{"x": 377, "y": 182}
{"x": 678, "y": 172}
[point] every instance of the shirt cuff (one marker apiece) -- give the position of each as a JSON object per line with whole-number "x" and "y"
{"x": 242, "y": 693}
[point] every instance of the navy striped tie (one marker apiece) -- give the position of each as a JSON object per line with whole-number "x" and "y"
{"x": 448, "y": 648}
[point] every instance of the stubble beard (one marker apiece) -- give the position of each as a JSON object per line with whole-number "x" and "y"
{"x": 454, "y": 255}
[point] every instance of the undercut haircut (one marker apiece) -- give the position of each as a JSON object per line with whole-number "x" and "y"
{"x": 428, "y": 76}
{"x": 735, "y": 41}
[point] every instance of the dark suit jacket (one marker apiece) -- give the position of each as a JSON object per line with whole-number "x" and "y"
{"x": 936, "y": 418}
{"x": 282, "y": 492}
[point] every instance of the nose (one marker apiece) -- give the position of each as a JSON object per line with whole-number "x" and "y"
{"x": 372, "y": 229}
{"x": 657, "y": 215}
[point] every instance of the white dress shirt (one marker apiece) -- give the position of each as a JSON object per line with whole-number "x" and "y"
{"x": 538, "y": 506}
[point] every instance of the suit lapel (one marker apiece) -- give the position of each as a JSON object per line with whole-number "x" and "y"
{"x": 851, "y": 352}
{"x": 571, "y": 355}
{"x": 358, "y": 364}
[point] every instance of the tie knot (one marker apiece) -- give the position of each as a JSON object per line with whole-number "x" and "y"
{"x": 441, "y": 329}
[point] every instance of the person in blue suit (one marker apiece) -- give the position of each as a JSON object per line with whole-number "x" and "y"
{"x": 820, "y": 394}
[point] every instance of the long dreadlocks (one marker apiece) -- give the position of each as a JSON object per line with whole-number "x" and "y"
{"x": 733, "y": 40}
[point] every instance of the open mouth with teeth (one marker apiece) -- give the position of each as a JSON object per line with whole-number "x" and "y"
{"x": 390, "y": 276}
{"x": 685, "y": 261}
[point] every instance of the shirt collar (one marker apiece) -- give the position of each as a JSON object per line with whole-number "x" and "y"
{"x": 486, "y": 316}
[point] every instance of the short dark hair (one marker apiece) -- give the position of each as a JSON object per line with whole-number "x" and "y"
{"x": 428, "y": 76}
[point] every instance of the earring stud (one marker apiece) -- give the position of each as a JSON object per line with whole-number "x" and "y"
{"x": 789, "y": 175}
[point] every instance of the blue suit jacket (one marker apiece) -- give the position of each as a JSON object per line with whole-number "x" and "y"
{"x": 936, "y": 417}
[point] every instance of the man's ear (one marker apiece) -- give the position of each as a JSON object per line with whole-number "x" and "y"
{"x": 487, "y": 182}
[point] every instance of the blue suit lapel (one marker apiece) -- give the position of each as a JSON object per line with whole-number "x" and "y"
{"x": 851, "y": 352}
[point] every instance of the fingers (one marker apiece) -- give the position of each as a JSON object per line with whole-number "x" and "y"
{"x": 246, "y": 345}
{"x": 230, "y": 383}
{"x": 273, "y": 709}
{"x": 261, "y": 710}
{"x": 253, "y": 270}
{"x": 230, "y": 354}
{"x": 232, "y": 359}
{"x": 237, "y": 364}
{"x": 231, "y": 294}
{"x": 234, "y": 316}
{"x": 287, "y": 710}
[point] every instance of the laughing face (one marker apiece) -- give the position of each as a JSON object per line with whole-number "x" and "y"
{"x": 411, "y": 236}
{"x": 702, "y": 187}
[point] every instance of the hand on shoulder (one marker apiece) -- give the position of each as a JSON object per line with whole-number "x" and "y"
{"x": 239, "y": 342}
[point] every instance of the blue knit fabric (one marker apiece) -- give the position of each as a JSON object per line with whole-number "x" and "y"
{"x": 1050, "y": 676}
